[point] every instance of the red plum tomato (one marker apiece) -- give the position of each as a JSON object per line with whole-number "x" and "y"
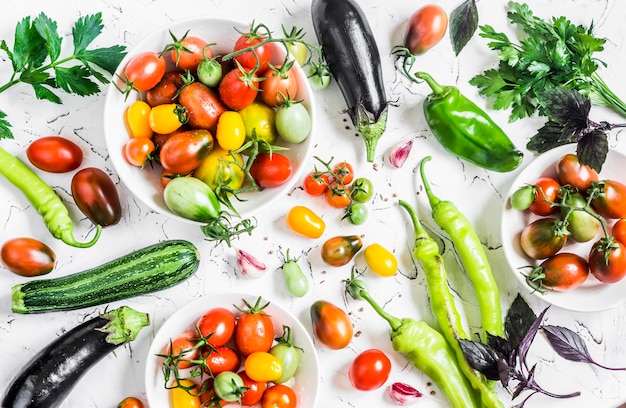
{"x": 54, "y": 154}
{"x": 184, "y": 152}
{"x": 96, "y": 196}
{"x": 425, "y": 28}
{"x": 254, "y": 331}
{"x": 546, "y": 191}
{"x": 331, "y": 325}
{"x": 540, "y": 239}
{"x": 27, "y": 257}
{"x": 369, "y": 370}
{"x": 608, "y": 265}
{"x": 611, "y": 203}
{"x": 203, "y": 105}
{"x": 619, "y": 230}
{"x": 570, "y": 171}
{"x": 166, "y": 91}
{"x": 560, "y": 272}
{"x": 271, "y": 169}
{"x": 217, "y": 325}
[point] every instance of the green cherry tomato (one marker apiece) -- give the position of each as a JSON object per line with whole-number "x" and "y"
{"x": 209, "y": 72}
{"x": 293, "y": 122}
{"x": 298, "y": 51}
{"x": 340, "y": 250}
{"x": 582, "y": 226}
{"x": 362, "y": 190}
{"x": 229, "y": 386}
{"x": 319, "y": 76}
{"x": 295, "y": 280}
{"x": 522, "y": 198}
{"x": 357, "y": 213}
{"x": 289, "y": 355}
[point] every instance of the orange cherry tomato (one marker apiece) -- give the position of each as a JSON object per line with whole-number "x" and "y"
{"x": 338, "y": 197}
{"x": 130, "y": 402}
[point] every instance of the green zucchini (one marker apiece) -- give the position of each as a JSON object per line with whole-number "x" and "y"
{"x": 146, "y": 270}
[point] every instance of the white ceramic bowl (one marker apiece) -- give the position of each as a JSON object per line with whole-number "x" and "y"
{"x": 593, "y": 295}
{"x": 305, "y": 383}
{"x": 145, "y": 183}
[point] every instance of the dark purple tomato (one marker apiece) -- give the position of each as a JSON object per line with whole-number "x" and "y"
{"x": 541, "y": 239}
{"x": 96, "y": 195}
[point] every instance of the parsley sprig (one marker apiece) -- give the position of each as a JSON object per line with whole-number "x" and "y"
{"x": 553, "y": 54}
{"x": 36, "y": 59}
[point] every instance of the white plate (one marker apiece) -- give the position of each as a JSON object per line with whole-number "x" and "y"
{"x": 305, "y": 382}
{"x": 593, "y": 295}
{"x": 145, "y": 183}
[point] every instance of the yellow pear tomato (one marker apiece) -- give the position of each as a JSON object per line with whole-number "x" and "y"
{"x": 380, "y": 260}
{"x": 138, "y": 119}
{"x": 263, "y": 366}
{"x": 231, "y": 132}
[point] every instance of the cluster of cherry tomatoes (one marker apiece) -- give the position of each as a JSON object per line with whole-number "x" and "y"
{"x": 232, "y": 356}
{"x": 573, "y": 207}
{"x": 199, "y": 118}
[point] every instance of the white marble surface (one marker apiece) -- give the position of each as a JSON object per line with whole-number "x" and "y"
{"x": 477, "y": 192}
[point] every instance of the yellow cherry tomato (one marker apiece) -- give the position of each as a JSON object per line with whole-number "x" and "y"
{"x": 167, "y": 118}
{"x": 220, "y": 168}
{"x": 380, "y": 260}
{"x": 138, "y": 119}
{"x": 260, "y": 119}
{"x": 263, "y": 366}
{"x": 180, "y": 398}
{"x": 231, "y": 132}
{"x": 304, "y": 221}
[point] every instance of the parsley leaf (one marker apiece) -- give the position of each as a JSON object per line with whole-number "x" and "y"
{"x": 553, "y": 54}
{"x": 36, "y": 60}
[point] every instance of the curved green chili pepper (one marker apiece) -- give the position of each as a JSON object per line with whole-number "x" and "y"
{"x": 426, "y": 349}
{"x": 472, "y": 255}
{"x": 43, "y": 199}
{"x": 426, "y": 251}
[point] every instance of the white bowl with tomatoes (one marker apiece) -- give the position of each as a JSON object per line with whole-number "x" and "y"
{"x": 156, "y": 88}
{"x": 234, "y": 344}
{"x": 575, "y": 276}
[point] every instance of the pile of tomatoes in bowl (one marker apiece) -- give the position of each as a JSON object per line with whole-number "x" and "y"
{"x": 212, "y": 101}
{"x": 564, "y": 230}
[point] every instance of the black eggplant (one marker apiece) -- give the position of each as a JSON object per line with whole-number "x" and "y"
{"x": 51, "y": 375}
{"x": 351, "y": 53}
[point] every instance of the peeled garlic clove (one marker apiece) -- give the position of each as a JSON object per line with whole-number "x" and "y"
{"x": 399, "y": 153}
{"x": 403, "y": 394}
{"x": 248, "y": 265}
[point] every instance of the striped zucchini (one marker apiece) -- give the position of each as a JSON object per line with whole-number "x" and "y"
{"x": 146, "y": 270}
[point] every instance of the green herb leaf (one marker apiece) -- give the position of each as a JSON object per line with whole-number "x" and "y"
{"x": 85, "y": 30}
{"x": 5, "y": 127}
{"x": 463, "y": 24}
{"x": 75, "y": 80}
{"x": 29, "y": 49}
{"x": 47, "y": 29}
{"x": 106, "y": 58}
{"x": 42, "y": 92}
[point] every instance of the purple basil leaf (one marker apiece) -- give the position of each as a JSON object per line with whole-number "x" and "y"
{"x": 566, "y": 106}
{"x": 463, "y": 24}
{"x": 592, "y": 149}
{"x": 501, "y": 346}
{"x": 481, "y": 357}
{"x": 519, "y": 319}
{"x": 527, "y": 341}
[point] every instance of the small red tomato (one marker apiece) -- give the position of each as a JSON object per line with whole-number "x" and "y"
{"x": 188, "y": 51}
{"x": 27, "y": 257}
{"x": 219, "y": 359}
{"x": 279, "y": 396}
{"x": 144, "y": 71}
{"x": 239, "y": 88}
{"x": 203, "y": 105}
{"x": 569, "y": 170}
{"x": 546, "y": 191}
{"x": 271, "y": 169}
{"x": 183, "y": 152}
{"x": 54, "y": 154}
{"x": 184, "y": 345}
{"x": 254, "y": 330}
{"x": 315, "y": 183}
{"x": 344, "y": 173}
{"x": 259, "y": 57}
{"x": 278, "y": 85}
{"x": 425, "y": 28}
{"x": 560, "y": 272}
{"x": 611, "y": 203}
{"x": 254, "y": 392}
{"x": 217, "y": 325}
{"x": 619, "y": 230}
{"x": 369, "y": 370}
{"x": 96, "y": 196}
{"x": 608, "y": 263}
{"x": 130, "y": 402}
{"x": 166, "y": 91}
{"x": 338, "y": 197}
{"x": 331, "y": 325}
{"x": 138, "y": 151}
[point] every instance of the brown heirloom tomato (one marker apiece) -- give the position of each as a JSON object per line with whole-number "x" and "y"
{"x": 183, "y": 152}
{"x": 563, "y": 271}
{"x": 569, "y": 170}
{"x": 96, "y": 196}
{"x": 54, "y": 154}
{"x": 425, "y": 28}
{"x": 338, "y": 251}
{"x": 27, "y": 257}
{"x": 166, "y": 91}
{"x": 546, "y": 191}
{"x": 608, "y": 262}
{"x": 540, "y": 239}
{"x": 331, "y": 325}
{"x": 203, "y": 106}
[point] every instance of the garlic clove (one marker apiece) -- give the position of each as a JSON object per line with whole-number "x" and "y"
{"x": 399, "y": 153}
{"x": 248, "y": 265}
{"x": 403, "y": 394}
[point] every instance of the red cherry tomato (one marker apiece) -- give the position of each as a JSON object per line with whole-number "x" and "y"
{"x": 138, "y": 151}
{"x": 546, "y": 189}
{"x": 27, "y": 257}
{"x": 219, "y": 359}
{"x": 239, "y": 88}
{"x": 569, "y": 170}
{"x": 271, "y": 169}
{"x": 608, "y": 265}
{"x": 611, "y": 203}
{"x": 279, "y": 396}
{"x": 254, "y": 330}
{"x": 254, "y": 392}
{"x": 425, "y": 28}
{"x": 130, "y": 402}
{"x": 619, "y": 230}
{"x": 144, "y": 71}
{"x": 338, "y": 197}
{"x": 217, "y": 325}
{"x": 184, "y": 346}
{"x": 96, "y": 195}
{"x": 258, "y": 57}
{"x": 188, "y": 51}
{"x": 54, "y": 154}
{"x": 344, "y": 173}
{"x": 315, "y": 183}
{"x": 369, "y": 370}
{"x": 278, "y": 85}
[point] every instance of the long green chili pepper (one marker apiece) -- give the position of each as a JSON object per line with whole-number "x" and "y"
{"x": 426, "y": 349}
{"x": 426, "y": 251}
{"x": 43, "y": 199}
{"x": 461, "y": 126}
{"x": 472, "y": 255}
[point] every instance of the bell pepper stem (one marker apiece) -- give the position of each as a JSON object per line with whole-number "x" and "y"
{"x": 393, "y": 321}
{"x": 432, "y": 198}
{"x": 437, "y": 88}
